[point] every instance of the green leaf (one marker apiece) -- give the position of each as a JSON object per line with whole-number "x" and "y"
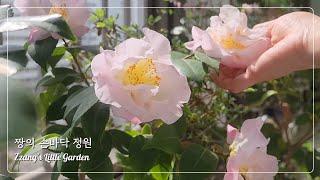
{"x": 98, "y": 162}
{"x": 95, "y": 119}
{"x": 100, "y": 13}
{"x": 56, "y": 129}
{"x": 197, "y": 159}
{"x": 120, "y": 140}
{"x": 55, "y": 110}
{"x": 160, "y": 176}
{"x": 191, "y": 68}
{"x": 141, "y": 160}
{"x": 62, "y": 75}
{"x": 41, "y": 50}
{"x": 55, "y": 176}
{"x": 56, "y": 55}
{"x": 50, "y": 95}
{"x": 165, "y": 139}
{"x": 16, "y": 54}
{"x": 53, "y": 23}
{"x": 207, "y": 60}
{"x": 82, "y": 100}
{"x": 146, "y": 129}
{"x": 68, "y": 166}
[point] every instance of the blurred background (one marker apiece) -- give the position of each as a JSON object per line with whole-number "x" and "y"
{"x": 286, "y": 101}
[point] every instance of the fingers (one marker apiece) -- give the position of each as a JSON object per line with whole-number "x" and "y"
{"x": 232, "y": 79}
{"x": 266, "y": 27}
{"x": 271, "y": 64}
{"x": 267, "y": 24}
{"x": 234, "y": 85}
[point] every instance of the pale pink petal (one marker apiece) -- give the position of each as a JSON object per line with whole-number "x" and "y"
{"x": 77, "y": 16}
{"x": 124, "y": 114}
{"x": 231, "y": 16}
{"x": 167, "y": 103}
{"x": 231, "y": 133}
{"x": 250, "y": 137}
{"x": 197, "y": 34}
{"x": 171, "y": 78}
{"x": 232, "y": 176}
{"x": 102, "y": 77}
{"x": 37, "y": 34}
{"x": 159, "y": 44}
{"x": 211, "y": 47}
{"x": 251, "y": 128}
{"x": 192, "y": 45}
{"x": 215, "y": 22}
{"x": 262, "y": 162}
{"x": 228, "y": 13}
{"x": 79, "y": 30}
{"x": 133, "y": 48}
{"x": 243, "y": 58}
{"x": 22, "y": 6}
{"x": 142, "y": 93}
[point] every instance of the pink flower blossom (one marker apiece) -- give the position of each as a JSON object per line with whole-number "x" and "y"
{"x": 249, "y": 153}
{"x": 229, "y": 39}
{"x": 75, "y": 17}
{"x": 250, "y": 8}
{"x": 139, "y": 80}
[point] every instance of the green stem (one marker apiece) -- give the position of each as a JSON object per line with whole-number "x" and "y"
{"x": 77, "y": 64}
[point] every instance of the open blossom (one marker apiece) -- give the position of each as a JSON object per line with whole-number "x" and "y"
{"x": 75, "y": 17}
{"x": 229, "y": 39}
{"x": 248, "y": 153}
{"x": 139, "y": 80}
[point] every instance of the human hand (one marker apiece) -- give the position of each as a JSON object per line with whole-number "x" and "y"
{"x": 292, "y": 50}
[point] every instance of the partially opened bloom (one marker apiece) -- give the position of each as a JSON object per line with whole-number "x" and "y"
{"x": 139, "y": 80}
{"x": 75, "y": 17}
{"x": 248, "y": 138}
{"x": 241, "y": 164}
{"x": 229, "y": 39}
{"x": 248, "y": 153}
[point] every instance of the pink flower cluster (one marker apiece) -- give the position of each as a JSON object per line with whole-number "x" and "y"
{"x": 73, "y": 12}
{"x": 248, "y": 153}
{"x": 229, "y": 39}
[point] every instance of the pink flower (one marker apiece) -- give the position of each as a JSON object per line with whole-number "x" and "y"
{"x": 75, "y": 17}
{"x": 240, "y": 165}
{"x": 229, "y": 39}
{"x": 139, "y": 80}
{"x": 250, "y": 8}
{"x": 249, "y": 153}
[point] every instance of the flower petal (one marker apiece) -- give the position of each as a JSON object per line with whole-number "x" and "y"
{"x": 133, "y": 48}
{"x": 123, "y": 113}
{"x": 262, "y": 162}
{"x": 22, "y": 6}
{"x": 159, "y": 44}
{"x": 37, "y": 34}
{"x": 231, "y": 133}
{"x": 167, "y": 103}
{"x": 243, "y": 58}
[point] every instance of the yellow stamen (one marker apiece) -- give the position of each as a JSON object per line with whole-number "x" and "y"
{"x": 243, "y": 171}
{"x": 230, "y": 43}
{"x": 60, "y": 9}
{"x": 141, "y": 72}
{"x": 233, "y": 149}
